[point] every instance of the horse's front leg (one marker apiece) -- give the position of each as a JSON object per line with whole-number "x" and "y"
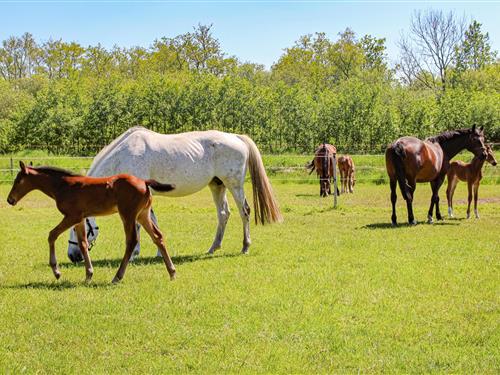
{"x": 66, "y": 223}
{"x": 435, "y": 185}
{"x": 83, "y": 243}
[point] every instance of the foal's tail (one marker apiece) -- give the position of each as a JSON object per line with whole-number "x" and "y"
{"x": 265, "y": 205}
{"x": 158, "y": 186}
{"x": 397, "y": 153}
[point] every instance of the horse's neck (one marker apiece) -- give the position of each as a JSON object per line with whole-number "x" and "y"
{"x": 46, "y": 184}
{"x": 452, "y": 147}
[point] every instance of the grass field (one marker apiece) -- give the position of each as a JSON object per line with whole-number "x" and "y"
{"x": 326, "y": 291}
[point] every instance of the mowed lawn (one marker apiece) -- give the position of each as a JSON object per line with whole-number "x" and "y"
{"x": 326, "y": 291}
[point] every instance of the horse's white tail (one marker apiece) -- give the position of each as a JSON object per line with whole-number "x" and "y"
{"x": 265, "y": 205}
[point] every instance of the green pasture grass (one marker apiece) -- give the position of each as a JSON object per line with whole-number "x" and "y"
{"x": 283, "y": 169}
{"x": 329, "y": 290}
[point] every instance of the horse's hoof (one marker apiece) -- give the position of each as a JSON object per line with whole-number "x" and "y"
{"x": 173, "y": 276}
{"x": 430, "y": 220}
{"x": 57, "y": 274}
{"x": 116, "y": 280}
{"x": 413, "y": 222}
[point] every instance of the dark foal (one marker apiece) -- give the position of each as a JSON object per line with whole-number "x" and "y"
{"x": 410, "y": 160}
{"x": 78, "y": 197}
{"x": 472, "y": 174}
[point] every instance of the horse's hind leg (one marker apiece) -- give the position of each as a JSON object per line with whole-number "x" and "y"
{"x": 83, "y": 243}
{"x": 393, "y": 183}
{"x": 239, "y": 196}
{"x": 158, "y": 239}
{"x": 131, "y": 242}
{"x": 220, "y": 199}
{"x": 66, "y": 223}
{"x": 409, "y": 202}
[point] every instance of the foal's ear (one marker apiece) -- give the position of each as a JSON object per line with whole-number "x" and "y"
{"x": 473, "y": 128}
{"x": 23, "y": 166}
{"x": 481, "y": 128}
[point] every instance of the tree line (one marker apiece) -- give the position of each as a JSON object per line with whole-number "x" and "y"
{"x": 66, "y": 98}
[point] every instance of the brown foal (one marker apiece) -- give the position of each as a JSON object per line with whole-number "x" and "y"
{"x": 347, "y": 174}
{"x": 78, "y": 197}
{"x": 472, "y": 174}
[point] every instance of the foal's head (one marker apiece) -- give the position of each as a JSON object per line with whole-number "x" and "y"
{"x": 22, "y": 185}
{"x": 490, "y": 158}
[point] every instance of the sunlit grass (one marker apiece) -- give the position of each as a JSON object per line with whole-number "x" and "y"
{"x": 326, "y": 291}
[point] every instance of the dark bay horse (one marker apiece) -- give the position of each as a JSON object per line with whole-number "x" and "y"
{"x": 78, "y": 197}
{"x": 410, "y": 160}
{"x": 472, "y": 174}
{"x": 324, "y": 164}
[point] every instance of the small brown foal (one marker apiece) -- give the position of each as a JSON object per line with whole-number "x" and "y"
{"x": 347, "y": 174}
{"x": 470, "y": 172}
{"x": 78, "y": 197}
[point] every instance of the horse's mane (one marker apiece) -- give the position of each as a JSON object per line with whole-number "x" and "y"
{"x": 54, "y": 171}
{"x": 447, "y": 135}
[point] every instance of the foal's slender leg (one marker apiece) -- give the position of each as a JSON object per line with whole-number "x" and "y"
{"x": 65, "y": 224}
{"x": 220, "y": 200}
{"x": 131, "y": 242}
{"x": 469, "y": 197}
{"x": 158, "y": 239}
{"x": 244, "y": 209}
{"x": 452, "y": 185}
{"x": 84, "y": 248}
{"x": 393, "y": 183}
{"x": 476, "y": 191}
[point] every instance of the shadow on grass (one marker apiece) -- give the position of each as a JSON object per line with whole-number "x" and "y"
{"x": 145, "y": 261}
{"x": 59, "y": 285}
{"x": 406, "y": 225}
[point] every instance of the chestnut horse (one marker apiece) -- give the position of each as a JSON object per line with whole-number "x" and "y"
{"x": 470, "y": 172}
{"x": 324, "y": 164}
{"x": 347, "y": 174}
{"x": 78, "y": 197}
{"x": 410, "y": 160}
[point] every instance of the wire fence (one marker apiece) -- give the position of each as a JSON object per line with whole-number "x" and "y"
{"x": 298, "y": 174}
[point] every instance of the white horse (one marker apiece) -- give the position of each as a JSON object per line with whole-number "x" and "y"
{"x": 192, "y": 161}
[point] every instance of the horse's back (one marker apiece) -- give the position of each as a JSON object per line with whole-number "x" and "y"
{"x": 188, "y": 160}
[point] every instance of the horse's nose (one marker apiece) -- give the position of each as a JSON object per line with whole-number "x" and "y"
{"x": 11, "y": 201}
{"x": 494, "y": 163}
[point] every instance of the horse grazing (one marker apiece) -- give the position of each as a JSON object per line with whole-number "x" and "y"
{"x": 472, "y": 174}
{"x": 409, "y": 160}
{"x": 78, "y": 197}
{"x": 323, "y": 164}
{"x": 347, "y": 174}
{"x": 192, "y": 161}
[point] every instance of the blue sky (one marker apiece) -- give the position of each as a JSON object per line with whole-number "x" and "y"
{"x": 255, "y": 31}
